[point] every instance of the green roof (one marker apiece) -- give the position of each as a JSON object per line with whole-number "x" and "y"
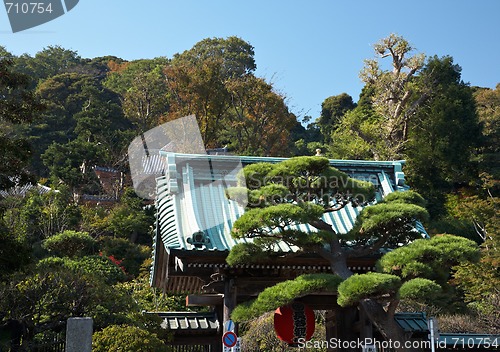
{"x": 412, "y": 322}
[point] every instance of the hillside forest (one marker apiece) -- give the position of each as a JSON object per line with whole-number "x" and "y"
{"x": 75, "y": 239}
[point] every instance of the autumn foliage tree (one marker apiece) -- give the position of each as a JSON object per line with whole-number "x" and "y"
{"x": 142, "y": 88}
{"x": 215, "y": 82}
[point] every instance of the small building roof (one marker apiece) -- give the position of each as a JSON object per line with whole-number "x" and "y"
{"x": 189, "y": 322}
{"x": 412, "y": 322}
{"x": 23, "y": 190}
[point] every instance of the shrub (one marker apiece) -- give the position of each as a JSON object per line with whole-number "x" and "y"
{"x": 420, "y": 289}
{"x": 370, "y": 285}
{"x": 70, "y": 244}
{"x": 124, "y": 338}
{"x": 130, "y": 254}
{"x": 100, "y": 267}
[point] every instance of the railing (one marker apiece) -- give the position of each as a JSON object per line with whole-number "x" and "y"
{"x": 56, "y": 343}
{"x": 191, "y": 348}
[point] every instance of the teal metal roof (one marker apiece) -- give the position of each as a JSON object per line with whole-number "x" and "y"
{"x": 194, "y": 214}
{"x": 412, "y": 322}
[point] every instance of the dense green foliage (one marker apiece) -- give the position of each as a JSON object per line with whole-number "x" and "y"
{"x": 18, "y": 105}
{"x": 45, "y": 298}
{"x": 126, "y": 338}
{"x": 14, "y": 253}
{"x": 142, "y": 87}
{"x": 419, "y": 289}
{"x": 70, "y": 243}
{"x": 102, "y": 268}
{"x": 370, "y": 285}
{"x": 130, "y": 255}
{"x": 332, "y": 110}
{"x": 377, "y": 222}
{"x": 431, "y": 259}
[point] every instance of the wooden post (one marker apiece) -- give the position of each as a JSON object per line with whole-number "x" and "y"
{"x": 229, "y": 300}
{"x": 345, "y": 321}
{"x": 331, "y": 331}
{"x": 366, "y": 326}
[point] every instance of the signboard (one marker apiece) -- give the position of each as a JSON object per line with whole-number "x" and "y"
{"x": 229, "y": 339}
{"x": 236, "y": 348}
{"x": 229, "y": 325}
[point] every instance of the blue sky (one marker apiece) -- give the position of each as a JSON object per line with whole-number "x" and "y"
{"x": 309, "y": 49}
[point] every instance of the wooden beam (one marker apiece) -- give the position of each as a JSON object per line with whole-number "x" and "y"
{"x": 196, "y": 339}
{"x": 204, "y": 300}
{"x": 320, "y": 301}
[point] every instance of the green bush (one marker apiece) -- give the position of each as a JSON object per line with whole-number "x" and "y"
{"x": 124, "y": 338}
{"x": 431, "y": 259}
{"x": 246, "y": 252}
{"x": 70, "y": 244}
{"x": 409, "y": 197}
{"x": 102, "y": 268}
{"x": 420, "y": 289}
{"x": 369, "y": 285}
{"x": 130, "y": 254}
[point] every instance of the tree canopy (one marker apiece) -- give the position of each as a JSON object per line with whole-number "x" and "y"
{"x": 18, "y": 105}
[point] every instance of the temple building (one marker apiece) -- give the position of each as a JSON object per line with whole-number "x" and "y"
{"x": 193, "y": 238}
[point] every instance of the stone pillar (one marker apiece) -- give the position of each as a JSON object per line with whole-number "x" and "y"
{"x": 79, "y": 335}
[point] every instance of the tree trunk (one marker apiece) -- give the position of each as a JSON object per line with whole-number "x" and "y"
{"x": 134, "y": 236}
{"x": 375, "y": 312}
{"x": 386, "y": 325}
{"x": 345, "y": 320}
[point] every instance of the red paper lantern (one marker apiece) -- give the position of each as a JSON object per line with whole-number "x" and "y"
{"x": 293, "y": 322}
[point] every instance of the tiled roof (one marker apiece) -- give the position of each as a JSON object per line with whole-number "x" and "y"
{"x": 22, "y": 190}
{"x": 105, "y": 169}
{"x": 153, "y": 164}
{"x": 189, "y": 321}
{"x": 187, "y": 206}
